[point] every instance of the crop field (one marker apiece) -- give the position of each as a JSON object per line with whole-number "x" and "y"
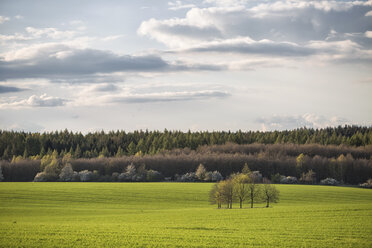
{"x": 179, "y": 215}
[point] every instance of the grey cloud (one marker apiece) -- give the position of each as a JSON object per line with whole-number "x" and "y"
{"x": 106, "y": 88}
{"x": 10, "y": 89}
{"x": 170, "y": 97}
{"x": 59, "y": 61}
{"x": 78, "y": 62}
{"x": 89, "y": 79}
{"x": 265, "y": 47}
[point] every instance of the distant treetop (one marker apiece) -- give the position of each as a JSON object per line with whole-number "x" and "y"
{"x": 141, "y": 142}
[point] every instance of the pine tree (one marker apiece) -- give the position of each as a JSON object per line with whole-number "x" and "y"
{"x": 78, "y": 152}
{"x": 131, "y": 148}
{"x": 120, "y": 152}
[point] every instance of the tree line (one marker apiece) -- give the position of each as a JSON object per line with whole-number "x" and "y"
{"x": 120, "y": 143}
{"x": 284, "y": 163}
{"x": 242, "y": 187}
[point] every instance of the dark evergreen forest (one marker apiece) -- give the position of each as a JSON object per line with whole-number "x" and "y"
{"x": 120, "y": 143}
{"x": 342, "y": 153}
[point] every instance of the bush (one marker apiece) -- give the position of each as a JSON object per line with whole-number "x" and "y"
{"x": 216, "y": 176}
{"x": 288, "y": 180}
{"x": 188, "y": 177}
{"x": 67, "y": 174}
{"x": 329, "y": 181}
{"x": 45, "y": 177}
{"x": 115, "y": 176}
{"x": 105, "y": 178}
{"x": 208, "y": 176}
{"x": 367, "y": 184}
{"x": 86, "y": 176}
{"x": 256, "y": 176}
{"x": 276, "y": 178}
{"x": 154, "y": 176}
{"x": 201, "y": 172}
{"x": 308, "y": 178}
{"x": 129, "y": 175}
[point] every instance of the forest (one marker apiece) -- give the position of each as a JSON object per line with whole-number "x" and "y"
{"x": 120, "y": 143}
{"x": 343, "y": 154}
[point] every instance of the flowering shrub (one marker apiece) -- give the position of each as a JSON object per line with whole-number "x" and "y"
{"x": 367, "y": 184}
{"x": 329, "y": 181}
{"x": 288, "y": 180}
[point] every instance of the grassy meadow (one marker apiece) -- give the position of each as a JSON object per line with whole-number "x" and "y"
{"x": 179, "y": 215}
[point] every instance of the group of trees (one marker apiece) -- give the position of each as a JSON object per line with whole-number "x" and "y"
{"x": 120, "y": 143}
{"x": 286, "y": 163}
{"x": 53, "y": 168}
{"x": 242, "y": 187}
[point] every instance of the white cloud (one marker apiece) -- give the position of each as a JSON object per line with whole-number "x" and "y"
{"x": 369, "y": 13}
{"x": 78, "y": 24}
{"x": 25, "y": 126}
{"x": 53, "y": 33}
{"x": 280, "y": 122}
{"x": 278, "y": 28}
{"x": 178, "y": 33}
{"x": 38, "y": 33}
{"x": 14, "y": 37}
{"x": 35, "y": 101}
{"x": 18, "y": 17}
{"x": 226, "y": 3}
{"x": 293, "y": 21}
{"x": 368, "y": 34}
{"x": 177, "y": 5}
{"x": 4, "y": 19}
{"x": 112, "y": 37}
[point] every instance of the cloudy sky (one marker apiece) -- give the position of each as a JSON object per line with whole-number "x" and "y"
{"x": 180, "y": 65}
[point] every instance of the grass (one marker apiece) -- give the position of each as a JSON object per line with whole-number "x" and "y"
{"x": 179, "y": 215}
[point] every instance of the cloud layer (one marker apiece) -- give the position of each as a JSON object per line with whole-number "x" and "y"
{"x": 35, "y": 101}
{"x": 53, "y": 60}
{"x": 336, "y": 30}
{"x": 9, "y": 89}
{"x": 280, "y": 122}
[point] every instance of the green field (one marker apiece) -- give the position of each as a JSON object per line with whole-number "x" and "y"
{"x": 179, "y": 215}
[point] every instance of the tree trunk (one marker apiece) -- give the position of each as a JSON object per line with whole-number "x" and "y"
{"x": 267, "y": 201}
{"x": 251, "y": 203}
{"x": 241, "y": 203}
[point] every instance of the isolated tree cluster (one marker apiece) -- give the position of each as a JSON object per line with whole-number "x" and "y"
{"x": 243, "y": 187}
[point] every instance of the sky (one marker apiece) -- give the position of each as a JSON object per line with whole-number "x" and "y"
{"x": 185, "y": 65}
